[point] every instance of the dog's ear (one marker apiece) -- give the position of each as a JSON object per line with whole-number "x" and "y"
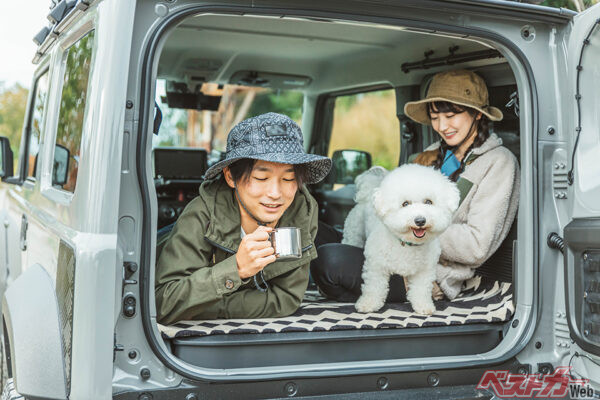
{"x": 379, "y": 204}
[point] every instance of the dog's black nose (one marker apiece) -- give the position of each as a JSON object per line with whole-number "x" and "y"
{"x": 420, "y": 221}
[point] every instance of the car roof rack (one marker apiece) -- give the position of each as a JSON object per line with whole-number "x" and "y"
{"x": 62, "y": 14}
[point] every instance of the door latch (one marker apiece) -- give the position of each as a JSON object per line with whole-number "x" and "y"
{"x": 129, "y": 268}
{"x": 129, "y": 303}
{"x": 129, "y": 300}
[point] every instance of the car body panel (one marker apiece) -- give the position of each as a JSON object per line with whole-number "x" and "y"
{"x": 37, "y": 359}
{"x": 110, "y": 219}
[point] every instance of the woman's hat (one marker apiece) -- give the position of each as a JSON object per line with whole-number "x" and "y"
{"x": 460, "y": 87}
{"x": 271, "y": 137}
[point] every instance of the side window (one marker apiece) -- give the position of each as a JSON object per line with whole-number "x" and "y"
{"x": 13, "y": 106}
{"x": 35, "y": 125}
{"x": 367, "y": 122}
{"x": 71, "y": 115}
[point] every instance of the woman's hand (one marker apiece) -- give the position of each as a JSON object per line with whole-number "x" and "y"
{"x": 437, "y": 292}
{"x": 255, "y": 252}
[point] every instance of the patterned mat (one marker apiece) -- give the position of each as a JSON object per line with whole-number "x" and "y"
{"x": 481, "y": 301}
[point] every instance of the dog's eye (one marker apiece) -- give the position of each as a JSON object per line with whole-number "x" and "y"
{"x": 427, "y": 201}
{"x": 406, "y": 203}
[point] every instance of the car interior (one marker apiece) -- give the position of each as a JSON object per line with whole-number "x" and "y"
{"x": 343, "y": 73}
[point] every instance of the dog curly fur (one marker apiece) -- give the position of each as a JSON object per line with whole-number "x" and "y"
{"x": 384, "y": 222}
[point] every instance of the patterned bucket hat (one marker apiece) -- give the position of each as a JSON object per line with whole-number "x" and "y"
{"x": 271, "y": 137}
{"x": 461, "y": 87}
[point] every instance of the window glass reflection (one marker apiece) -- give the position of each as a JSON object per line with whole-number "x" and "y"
{"x": 72, "y": 109}
{"x": 35, "y": 133}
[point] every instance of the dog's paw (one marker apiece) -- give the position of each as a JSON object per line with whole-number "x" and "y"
{"x": 366, "y": 304}
{"x": 424, "y": 308}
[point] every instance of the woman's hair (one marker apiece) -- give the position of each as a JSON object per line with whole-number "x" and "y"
{"x": 482, "y": 129}
{"x": 241, "y": 169}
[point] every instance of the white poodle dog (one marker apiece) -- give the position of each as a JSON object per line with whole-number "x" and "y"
{"x": 397, "y": 220}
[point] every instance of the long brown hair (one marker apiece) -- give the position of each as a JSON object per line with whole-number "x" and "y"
{"x": 482, "y": 129}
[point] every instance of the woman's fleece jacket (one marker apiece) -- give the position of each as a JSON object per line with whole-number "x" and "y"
{"x": 489, "y": 188}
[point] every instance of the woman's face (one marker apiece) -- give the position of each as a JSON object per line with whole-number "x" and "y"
{"x": 268, "y": 191}
{"x": 453, "y": 127}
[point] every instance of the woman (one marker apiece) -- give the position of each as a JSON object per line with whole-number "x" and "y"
{"x": 218, "y": 261}
{"x": 487, "y": 175}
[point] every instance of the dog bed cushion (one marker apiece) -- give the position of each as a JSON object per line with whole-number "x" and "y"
{"x": 481, "y": 301}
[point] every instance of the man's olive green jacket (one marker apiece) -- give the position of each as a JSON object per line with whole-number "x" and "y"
{"x": 196, "y": 273}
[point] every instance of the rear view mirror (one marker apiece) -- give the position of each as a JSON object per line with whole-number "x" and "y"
{"x": 193, "y": 101}
{"x": 348, "y": 164}
{"x": 60, "y": 167}
{"x": 179, "y": 95}
{"x": 6, "y": 158}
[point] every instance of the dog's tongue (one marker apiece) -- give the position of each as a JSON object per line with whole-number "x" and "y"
{"x": 419, "y": 232}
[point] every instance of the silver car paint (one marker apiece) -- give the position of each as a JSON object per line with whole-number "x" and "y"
{"x": 108, "y": 192}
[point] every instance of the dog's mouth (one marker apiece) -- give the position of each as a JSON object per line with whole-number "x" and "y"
{"x": 419, "y": 232}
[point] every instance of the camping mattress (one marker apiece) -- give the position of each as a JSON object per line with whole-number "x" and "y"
{"x": 481, "y": 301}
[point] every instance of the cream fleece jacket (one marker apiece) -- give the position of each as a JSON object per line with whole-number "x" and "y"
{"x": 485, "y": 216}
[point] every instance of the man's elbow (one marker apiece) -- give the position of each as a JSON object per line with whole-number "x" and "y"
{"x": 166, "y": 307}
{"x": 162, "y": 315}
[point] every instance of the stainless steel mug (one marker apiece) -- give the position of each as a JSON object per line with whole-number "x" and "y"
{"x": 286, "y": 242}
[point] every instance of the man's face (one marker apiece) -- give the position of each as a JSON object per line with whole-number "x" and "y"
{"x": 267, "y": 191}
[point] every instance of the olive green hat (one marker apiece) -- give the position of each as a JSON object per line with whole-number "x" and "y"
{"x": 461, "y": 87}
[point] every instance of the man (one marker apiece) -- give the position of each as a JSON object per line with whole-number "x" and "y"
{"x": 218, "y": 261}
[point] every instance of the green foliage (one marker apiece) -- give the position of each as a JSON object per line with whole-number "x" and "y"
{"x": 570, "y": 4}
{"x": 36, "y": 120}
{"x": 13, "y": 102}
{"x": 368, "y": 122}
{"x": 74, "y": 92}
{"x": 72, "y": 102}
{"x": 345, "y": 103}
{"x": 385, "y": 161}
{"x": 558, "y": 4}
{"x": 285, "y": 102}
{"x": 172, "y": 128}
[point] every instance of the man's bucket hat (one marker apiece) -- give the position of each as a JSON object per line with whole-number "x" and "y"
{"x": 271, "y": 137}
{"x": 461, "y": 87}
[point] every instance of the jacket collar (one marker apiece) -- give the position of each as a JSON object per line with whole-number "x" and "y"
{"x": 491, "y": 143}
